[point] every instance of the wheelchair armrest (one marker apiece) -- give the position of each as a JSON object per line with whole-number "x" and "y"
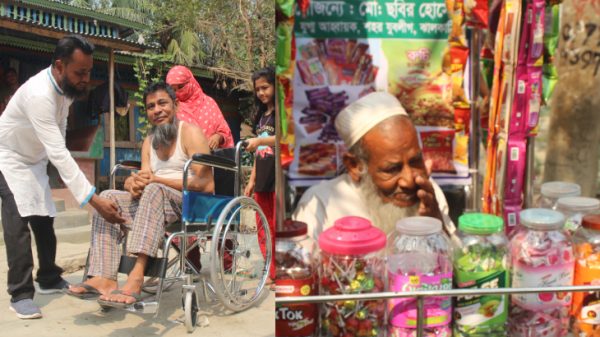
{"x": 212, "y": 160}
{"x": 133, "y": 164}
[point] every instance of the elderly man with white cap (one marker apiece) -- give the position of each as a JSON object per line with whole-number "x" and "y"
{"x": 387, "y": 178}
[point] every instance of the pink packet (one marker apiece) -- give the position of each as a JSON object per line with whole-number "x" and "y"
{"x": 511, "y": 217}
{"x": 525, "y": 35}
{"x": 536, "y": 34}
{"x": 515, "y": 171}
{"x": 518, "y": 122}
{"x": 534, "y": 97}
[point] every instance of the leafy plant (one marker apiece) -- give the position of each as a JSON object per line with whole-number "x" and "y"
{"x": 147, "y": 69}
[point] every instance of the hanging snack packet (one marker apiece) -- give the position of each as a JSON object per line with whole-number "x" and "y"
{"x": 515, "y": 171}
{"x": 456, "y": 14}
{"x": 458, "y": 60}
{"x": 476, "y": 13}
{"x": 518, "y": 118}
{"x": 534, "y": 96}
{"x": 551, "y": 36}
{"x": 437, "y": 146}
{"x": 536, "y": 34}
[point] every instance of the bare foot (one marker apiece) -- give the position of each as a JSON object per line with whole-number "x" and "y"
{"x": 103, "y": 285}
{"x": 124, "y": 295}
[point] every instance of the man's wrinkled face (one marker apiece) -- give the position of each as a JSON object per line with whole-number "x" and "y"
{"x": 74, "y": 73}
{"x": 395, "y": 160}
{"x": 160, "y": 107}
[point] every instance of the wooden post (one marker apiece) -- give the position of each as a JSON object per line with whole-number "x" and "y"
{"x": 574, "y": 134}
{"x": 111, "y": 94}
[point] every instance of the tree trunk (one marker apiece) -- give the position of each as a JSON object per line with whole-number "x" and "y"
{"x": 574, "y": 135}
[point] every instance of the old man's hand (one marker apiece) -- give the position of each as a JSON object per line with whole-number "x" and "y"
{"x": 428, "y": 205}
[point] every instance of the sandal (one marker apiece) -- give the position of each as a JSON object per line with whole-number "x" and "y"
{"x": 89, "y": 293}
{"x": 120, "y": 305}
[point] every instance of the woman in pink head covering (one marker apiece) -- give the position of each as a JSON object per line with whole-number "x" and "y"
{"x": 195, "y": 107}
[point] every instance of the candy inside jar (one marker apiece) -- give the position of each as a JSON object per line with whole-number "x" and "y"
{"x": 586, "y": 309}
{"x": 419, "y": 259}
{"x": 541, "y": 256}
{"x": 480, "y": 261}
{"x": 351, "y": 262}
{"x": 295, "y": 276}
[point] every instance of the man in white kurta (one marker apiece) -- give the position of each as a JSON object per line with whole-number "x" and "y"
{"x": 387, "y": 178}
{"x": 32, "y": 132}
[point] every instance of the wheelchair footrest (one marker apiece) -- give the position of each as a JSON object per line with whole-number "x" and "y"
{"x": 149, "y": 307}
{"x": 156, "y": 266}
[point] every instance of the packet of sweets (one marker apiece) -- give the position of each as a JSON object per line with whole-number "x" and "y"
{"x": 476, "y": 13}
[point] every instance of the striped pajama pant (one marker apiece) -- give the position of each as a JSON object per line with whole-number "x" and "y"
{"x": 145, "y": 222}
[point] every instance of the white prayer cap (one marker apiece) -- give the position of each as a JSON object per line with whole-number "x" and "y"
{"x": 362, "y": 115}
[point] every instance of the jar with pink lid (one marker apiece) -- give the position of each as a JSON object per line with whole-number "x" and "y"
{"x": 351, "y": 261}
{"x": 419, "y": 257}
{"x": 541, "y": 256}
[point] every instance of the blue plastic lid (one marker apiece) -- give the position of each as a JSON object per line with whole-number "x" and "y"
{"x": 542, "y": 219}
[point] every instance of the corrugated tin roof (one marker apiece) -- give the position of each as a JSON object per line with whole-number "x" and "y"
{"x": 60, "y": 6}
{"x": 121, "y": 57}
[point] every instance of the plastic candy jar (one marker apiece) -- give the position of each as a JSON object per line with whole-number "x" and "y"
{"x": 553, "y": 190}
{"x": 586, "y": 306}
{"x": 481, "y": 261}
{"x": 541, "y": 256}
{"x": 352, "y": 262}
{"x": 419, "y": 258}
{"x": 295, "y": 276}
{"x": 574, "y": 208}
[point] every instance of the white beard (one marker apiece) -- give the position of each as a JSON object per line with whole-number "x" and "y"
{"x": 383, "y": 215}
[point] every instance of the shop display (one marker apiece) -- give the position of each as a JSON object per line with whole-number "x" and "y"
{"x": 554, "y": 190}
{"x": 352, "y": 262}
{"x": 541, "y": 256}
{"x": 295, "y": 276}
{"x": 574, "y": 208}
{"x": 481, "y": 261}
{"x": 419, "y": 259}
{"x": 586, "y": 306}
{"x": 347, "y": 49}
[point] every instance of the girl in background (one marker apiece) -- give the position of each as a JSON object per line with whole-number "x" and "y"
{"x": 262, "y": 178}
{"x": 196, "y": 107}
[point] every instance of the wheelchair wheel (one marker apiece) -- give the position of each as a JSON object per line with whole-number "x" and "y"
{"x": 190, "y": 308}
{"x": 238, "y": 268}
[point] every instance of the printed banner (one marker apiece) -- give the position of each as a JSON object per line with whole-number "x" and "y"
{"x": 347, "y": 49}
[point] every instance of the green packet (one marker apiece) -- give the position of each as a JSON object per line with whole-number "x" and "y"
{"x": 284, "y": 45}
{"x": 286, "y": 7}
{"x": 551, "y": 30}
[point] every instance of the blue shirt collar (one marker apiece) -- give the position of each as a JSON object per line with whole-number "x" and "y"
{"x": 54, "y": 84}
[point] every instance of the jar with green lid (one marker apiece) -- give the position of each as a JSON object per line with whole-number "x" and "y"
{"x": 481, "y": 261}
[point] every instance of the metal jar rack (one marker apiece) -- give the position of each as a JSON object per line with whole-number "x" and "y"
{"x": 420, "y": 296}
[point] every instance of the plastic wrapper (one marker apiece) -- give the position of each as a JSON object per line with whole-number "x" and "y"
{"x": 511, "y": 217}
{"x": 476, "y": 13}
{"x": 515, "y": 170}
{"x": 286, "y": 7}
{"x": 534, "y": 97}
{"x": 437, "y": 146}
{"x": 284, "y": 46}
{"x": 458, "y": 59}
{"x": 536, "y": 33}
{"x": 456, "y": 14}
{"x": 551, "y": 37}
{"x": 518, "y": 118}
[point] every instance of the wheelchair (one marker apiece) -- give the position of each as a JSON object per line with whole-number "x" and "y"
{"x": 224, "y": 225}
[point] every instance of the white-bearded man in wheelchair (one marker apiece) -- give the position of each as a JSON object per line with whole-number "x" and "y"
{"x": 152, "y": 199}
